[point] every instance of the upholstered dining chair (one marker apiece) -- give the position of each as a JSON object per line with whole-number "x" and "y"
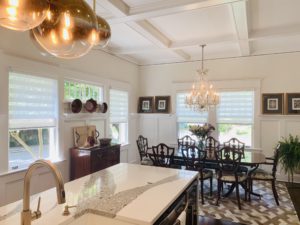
{"x": 142, "y": 144}
{"x": 185, "y": 141}
{"x": 229, "y": 160}
{"x": 162, "y": 155}
{"x": 195, "y": 159}
{"x": 263, "y": 175}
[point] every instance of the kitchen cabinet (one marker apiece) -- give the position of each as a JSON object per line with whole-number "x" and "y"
{"x": 87, "y": 161}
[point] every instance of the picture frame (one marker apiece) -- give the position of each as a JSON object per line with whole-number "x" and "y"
{"x": 162, "y": 104}
{"x": 273, "y": 103}
{"x": 292, "y": 103}
{"x": 145, "y": 104}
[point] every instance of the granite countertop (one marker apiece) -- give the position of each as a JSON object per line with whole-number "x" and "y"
{"x": 118, "y": 192}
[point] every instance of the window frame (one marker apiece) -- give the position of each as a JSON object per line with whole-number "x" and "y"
{"x": 56, "y": 152}
{"x": 127, "y": 120}
{"x": 84, "y": 82}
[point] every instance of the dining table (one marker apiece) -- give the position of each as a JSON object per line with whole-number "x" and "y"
{"x": 251, "y": 159}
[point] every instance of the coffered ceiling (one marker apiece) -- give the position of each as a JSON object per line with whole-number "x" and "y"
{"x": 150, "y": 32}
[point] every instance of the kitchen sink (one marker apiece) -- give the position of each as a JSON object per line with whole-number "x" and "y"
{"x": 92, "y": 219}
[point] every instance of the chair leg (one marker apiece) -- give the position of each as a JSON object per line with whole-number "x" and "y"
{"x": 211, "y": 186}
{"x": 246, "y": 190}
{"x": 275, "y": 192}
{"x": 238, "y": 196}
{"x": 202, "y": 195}
{"x": 220, "y": 184}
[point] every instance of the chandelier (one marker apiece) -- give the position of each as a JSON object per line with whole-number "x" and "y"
{"x": 203, "y": 95}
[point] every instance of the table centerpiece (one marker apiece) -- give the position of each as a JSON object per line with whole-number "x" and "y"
{"x": 201, "y": 132}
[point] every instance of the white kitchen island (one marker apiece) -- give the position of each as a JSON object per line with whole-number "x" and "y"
{"x": 119, "y": 195}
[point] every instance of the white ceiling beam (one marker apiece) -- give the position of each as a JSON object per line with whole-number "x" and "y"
{"x": 277, "y": 32}
{"x": 240, "y": 17}
{"x": 166, "y": 7}
{"x": 150, "y": 32}
{"x": 117, "y": 7}
{"x": 146, "y": 29}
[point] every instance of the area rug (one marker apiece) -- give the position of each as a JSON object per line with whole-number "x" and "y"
{"x": 257, "y": 212}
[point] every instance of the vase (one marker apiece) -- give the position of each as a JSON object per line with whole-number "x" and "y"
{"x": 201, "y": 143}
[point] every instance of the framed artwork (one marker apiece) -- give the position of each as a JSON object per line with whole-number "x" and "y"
{"x": 162, "y": 104}
{"x": 272, "y": 103}
{"x": 145, "y": 105}
{"x": 293, "y": 103}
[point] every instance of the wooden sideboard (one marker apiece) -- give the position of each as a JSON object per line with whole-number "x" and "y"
{"x": 87, "y": 161}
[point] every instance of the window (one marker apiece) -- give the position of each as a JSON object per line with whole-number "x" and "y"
{"x": 235, "y": 116}
{"x": 186, "y": 116}
{"x": 74, "y": 90}
{"x": 32, "y": 119}
{"x": 119, "y": 116}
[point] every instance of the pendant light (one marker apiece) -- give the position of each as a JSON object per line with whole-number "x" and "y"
{"x": 67, "y": 31}
{"x": 102, "y": 35}
{"x": 22, "y": 15}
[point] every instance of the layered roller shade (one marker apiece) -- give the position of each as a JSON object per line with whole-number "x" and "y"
{"x": 118, "y": 106}
{"x": 32, "y": 101}
{"x": 187, "y": 115}
{"x": 236, "y": 107}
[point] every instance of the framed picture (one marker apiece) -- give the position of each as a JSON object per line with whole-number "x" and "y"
{"x": 293, "y": 103}
{"x": 272, "y": 103}
{"x": 145, "y": 105}
{"x": 162, "y": 104}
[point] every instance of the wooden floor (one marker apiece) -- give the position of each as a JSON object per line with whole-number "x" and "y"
{"x": 294, "y": 191}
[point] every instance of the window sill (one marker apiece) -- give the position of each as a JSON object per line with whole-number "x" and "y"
{"x": 21, "y": 170}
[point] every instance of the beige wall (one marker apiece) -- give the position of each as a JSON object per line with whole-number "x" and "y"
{"x": 275, "y": 73}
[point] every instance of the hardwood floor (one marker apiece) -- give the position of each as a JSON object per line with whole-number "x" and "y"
{"x": 294, "y": 191}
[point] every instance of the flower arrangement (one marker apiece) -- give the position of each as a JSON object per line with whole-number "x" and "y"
{"x": 203, "y": 131}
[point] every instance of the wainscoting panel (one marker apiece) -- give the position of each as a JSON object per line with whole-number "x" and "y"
{"x": 270, "y": 132}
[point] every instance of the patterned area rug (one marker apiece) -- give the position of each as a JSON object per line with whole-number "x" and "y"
{"x": 256, "y": 212}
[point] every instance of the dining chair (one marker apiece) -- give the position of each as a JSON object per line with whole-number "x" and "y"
{"x": 235, "y": 144}
{"x": 263, "y": 175}
{"x": 142, "y": 144}
{"x": 229, "y": 160}
{"x": 211, "y": 146}
{"x": 185, "y": 141}
{"x": 162, "y": 155}
{"x": 195, "y": 159}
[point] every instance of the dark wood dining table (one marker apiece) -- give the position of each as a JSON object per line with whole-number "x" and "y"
{"x": 252, "y": 159}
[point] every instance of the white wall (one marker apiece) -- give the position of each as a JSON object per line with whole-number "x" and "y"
{"x": 19, "y": 54}
{"x": 276, "y": 74}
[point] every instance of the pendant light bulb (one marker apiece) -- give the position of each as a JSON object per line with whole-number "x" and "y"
{"x": 22, "y": 15}
{"x": 66, "y": 32}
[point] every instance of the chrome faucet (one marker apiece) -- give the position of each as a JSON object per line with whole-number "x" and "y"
{"x": 26, "y": 215}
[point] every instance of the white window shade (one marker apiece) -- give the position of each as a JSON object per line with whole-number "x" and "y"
{"x": 118, "y": 106}
{"x": 32, "y": 101}
{"x": 185, "y": 114}
{"x": 236, "y": 107}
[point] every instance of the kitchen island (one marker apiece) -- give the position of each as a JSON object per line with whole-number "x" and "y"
{"x": 119, "y": 195}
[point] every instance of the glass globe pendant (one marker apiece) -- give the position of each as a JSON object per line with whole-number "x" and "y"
{"x": 67, "y": 31}
{"x": 22, "y": 15}
{"x": 103, "y": 33}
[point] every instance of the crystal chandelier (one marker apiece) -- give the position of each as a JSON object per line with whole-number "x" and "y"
{"x": 203, "y": 95}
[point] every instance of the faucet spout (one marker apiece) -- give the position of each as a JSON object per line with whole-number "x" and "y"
{"x": 26, "y": 215}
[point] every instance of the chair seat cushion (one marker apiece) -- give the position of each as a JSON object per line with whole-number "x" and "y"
{"x": 206, "y": 174}
{"x": 146, "y": 161}
{"x": 260, "y": 174}
{"x": 231, "y": 178}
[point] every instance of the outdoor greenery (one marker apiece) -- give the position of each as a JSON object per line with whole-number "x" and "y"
{"x": 80, "y": 91}
{"x": 289, "y": 155}
{"x": 30, "y": 137}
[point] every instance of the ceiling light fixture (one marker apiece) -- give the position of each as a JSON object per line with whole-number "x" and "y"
{"x": 203, "y": 95}
{"x": 68, "y": 30}
{"x": 102, "y": 35}
{"x": 22, "y": 15}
